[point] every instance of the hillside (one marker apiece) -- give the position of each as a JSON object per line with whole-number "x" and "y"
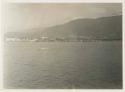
{"x": 100, "y": 28}
{"x": 109, "y": 27}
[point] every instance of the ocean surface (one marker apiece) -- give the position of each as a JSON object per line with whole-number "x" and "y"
{"x": 63, "y": 65}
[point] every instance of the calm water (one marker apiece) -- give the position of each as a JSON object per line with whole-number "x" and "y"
{"x": 63, "y": 65}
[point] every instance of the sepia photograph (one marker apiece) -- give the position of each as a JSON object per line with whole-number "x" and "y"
{"x": 62, "y": 46}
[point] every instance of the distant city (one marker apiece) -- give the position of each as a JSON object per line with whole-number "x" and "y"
{"x": 47, "y": 39}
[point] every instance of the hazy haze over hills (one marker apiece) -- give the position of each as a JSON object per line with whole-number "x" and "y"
{"x": 100, "y": 28}
{"x": 26, "y": 16}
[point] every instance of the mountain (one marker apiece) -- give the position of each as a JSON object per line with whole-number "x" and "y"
{"x": 110, "y": 27}
{"x": 99, "y": 28}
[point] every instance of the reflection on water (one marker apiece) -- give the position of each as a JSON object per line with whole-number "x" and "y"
{"x": 63, "y": 65}
{"x": 43, "y": 48}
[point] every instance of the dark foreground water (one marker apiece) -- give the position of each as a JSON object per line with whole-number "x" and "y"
{"x": 85, "y": 65}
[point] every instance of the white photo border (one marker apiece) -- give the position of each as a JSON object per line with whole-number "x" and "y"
{"x": 59, "y": 1}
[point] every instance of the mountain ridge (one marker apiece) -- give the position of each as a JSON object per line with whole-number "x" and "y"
{"x": 99, "y": 28}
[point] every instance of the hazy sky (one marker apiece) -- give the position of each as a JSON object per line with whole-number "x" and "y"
{"x": 19, "y": 17}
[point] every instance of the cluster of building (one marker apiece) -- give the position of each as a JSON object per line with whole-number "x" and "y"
{"x": 51, "y": 39}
